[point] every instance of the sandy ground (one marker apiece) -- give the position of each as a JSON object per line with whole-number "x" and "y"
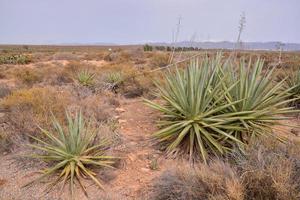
{"x": 129, "y": 181}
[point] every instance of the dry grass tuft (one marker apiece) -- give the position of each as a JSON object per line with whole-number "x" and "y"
{"x": 215, "y": 181}
{"x": 269, "y": 170}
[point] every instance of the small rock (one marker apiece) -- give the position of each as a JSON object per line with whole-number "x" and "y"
{"x": 120, "y": 110}
{"x": 145, "y": 169}
{"x": 122, "y": 121}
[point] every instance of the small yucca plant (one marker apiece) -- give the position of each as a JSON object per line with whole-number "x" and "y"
{"x": 85, "y": 77}
{"x": 194, "y": 113}
{"x": 114, "y": 80}
{"x": 71, "y": 153}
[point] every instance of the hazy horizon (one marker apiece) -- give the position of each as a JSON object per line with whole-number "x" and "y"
{"x": 137, "y": 22}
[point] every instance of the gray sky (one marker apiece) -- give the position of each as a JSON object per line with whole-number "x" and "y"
{"x": 137, "y": 21}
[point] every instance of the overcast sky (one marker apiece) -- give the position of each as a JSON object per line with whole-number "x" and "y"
{"x": 138, "y": 21}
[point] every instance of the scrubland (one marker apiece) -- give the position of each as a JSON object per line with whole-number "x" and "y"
{"x": 100, "y": 123}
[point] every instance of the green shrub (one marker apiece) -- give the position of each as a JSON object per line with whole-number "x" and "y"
{"x": 147, "y": 47}
{"x": 210, "y": 108}
{"x": 72, "y": 152}
{"x": 15, "y": 59}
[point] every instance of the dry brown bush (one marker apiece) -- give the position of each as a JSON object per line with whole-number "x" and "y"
{"x": 95, "y": 106}
{"x": 4, "y": 91}
{"x": 27, "y": 108}
{"x": 271, "y": 170}
{"x": 29, "y": 76}
{"x": 159, "y": 60}
{"x": 215, "y": 181}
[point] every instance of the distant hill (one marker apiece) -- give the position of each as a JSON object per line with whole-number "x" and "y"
{"x": 231, "y": 45}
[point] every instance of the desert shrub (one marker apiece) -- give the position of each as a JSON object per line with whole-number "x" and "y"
{"x": 5, "y": 142}
{"x": 28, "y": 107}
{"x": 85, "y": 77}
{"x": 147, "y": 47}
{"x": 29, "y": 76}
{"x": 72, "y": 152}
{"x": 270, "y": 170}
{"x": 96, "y": 107}
{"x": 209, "y": 108}
{"x": 15, "y": 59}
{"x": 217, "y": 181}
{"x": 4, "y": 91}
{"x": 111, "y": 56}
{"x": 267, "y": 170}
{"x": 159, "y": 60}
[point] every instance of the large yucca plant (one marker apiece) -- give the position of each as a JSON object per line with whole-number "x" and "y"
{"x": 212, "y": 106}
{"x": 261, "y": 102}
{"x": 194, "y": 110}
{"x": 71, "y": 153}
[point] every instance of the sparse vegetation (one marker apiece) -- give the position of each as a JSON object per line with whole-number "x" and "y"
{"x": 213, "y": 107}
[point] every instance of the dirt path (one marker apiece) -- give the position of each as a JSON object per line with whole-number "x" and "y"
{"x": 137, "y": 123}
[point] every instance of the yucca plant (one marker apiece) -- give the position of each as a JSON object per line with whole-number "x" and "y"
{"x": 85, "y": 77}
{"x": 261, "y": 102}
{"x": 194, "y": 111}
{"x": 71, "y": 153}
{"x": 114, "y": 80}
{"x": 213, "y": 106}
{"x": 293, "y": 81}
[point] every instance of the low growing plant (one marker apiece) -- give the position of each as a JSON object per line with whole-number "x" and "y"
{"x": 85, "y": 77}
{"x": 72, "y": 152}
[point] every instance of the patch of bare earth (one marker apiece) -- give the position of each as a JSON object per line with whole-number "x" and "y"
{"x": 129, "y": 180}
